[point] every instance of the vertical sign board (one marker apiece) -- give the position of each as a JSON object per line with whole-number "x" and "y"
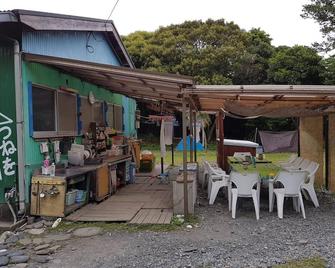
{"x": 8, "y": 145}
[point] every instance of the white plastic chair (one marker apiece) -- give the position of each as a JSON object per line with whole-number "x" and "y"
{"x": 245, "y": 188}
{"x": 217, "y": 179}
{"x": 294, "y": 163}
{"x": 301, "y": 166}
{"x": 292, "y": 184}
{"x": 308, "y": 186}
{"x": 289, "y": 160}
{"x": 207, "y": 171}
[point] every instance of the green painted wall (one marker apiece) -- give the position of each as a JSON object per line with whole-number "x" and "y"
{"x": 8, "y": 153}
{"x": 44, "y": 75}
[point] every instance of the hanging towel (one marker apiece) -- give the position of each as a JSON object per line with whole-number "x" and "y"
{"x": 198, "y": 129}
{"x": 162, "y": 139}
{"x": 168, "y": 132}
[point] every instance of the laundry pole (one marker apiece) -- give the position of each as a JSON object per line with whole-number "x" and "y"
{"x": 185, "y": 157}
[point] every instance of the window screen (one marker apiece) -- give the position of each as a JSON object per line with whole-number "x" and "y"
{"x": 98, "y": 115}
{"x": 86, "y": 110}
{"x": 43, "y": 102}
{"x": 118, "y": 118}
{"x": 110, "y": 115}
{"x": 67, "y": 112}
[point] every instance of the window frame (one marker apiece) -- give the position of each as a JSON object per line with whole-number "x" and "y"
{"x": 57, "y": 132}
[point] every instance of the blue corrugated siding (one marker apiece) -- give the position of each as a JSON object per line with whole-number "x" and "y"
{"x": 85, "y": 46}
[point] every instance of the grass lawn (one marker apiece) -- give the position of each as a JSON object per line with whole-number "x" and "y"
{"x": 209, "y": 155}
{"x": 316, "y": 262}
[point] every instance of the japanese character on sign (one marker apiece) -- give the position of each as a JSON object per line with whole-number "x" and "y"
{"x": 7, "y": 148}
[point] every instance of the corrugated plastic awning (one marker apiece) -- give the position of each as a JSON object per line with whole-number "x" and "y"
{"x": 236, "y": 101}
{"x": 265, "y": 100}
{"x": 133, "y": 83}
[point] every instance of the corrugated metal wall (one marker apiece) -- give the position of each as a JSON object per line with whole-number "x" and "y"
{"x": 85, "y": 46}
{"x": 7, "y": 112}
{"x": 44, "y": 75}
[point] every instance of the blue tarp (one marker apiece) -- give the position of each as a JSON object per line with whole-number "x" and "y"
{"x": 180, "y": 146}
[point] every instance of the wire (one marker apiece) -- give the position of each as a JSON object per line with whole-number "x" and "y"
{"x": 110, "y": 14}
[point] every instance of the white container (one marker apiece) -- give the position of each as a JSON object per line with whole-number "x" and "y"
{"x": 76, "y": 158}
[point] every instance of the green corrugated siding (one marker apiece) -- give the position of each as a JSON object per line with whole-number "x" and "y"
{"x": 40, "y": 74}
{"x": 7, "y": 108}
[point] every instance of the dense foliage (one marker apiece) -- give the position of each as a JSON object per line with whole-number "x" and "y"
{"x": 323, "y": 12}
{"x": 220, "y": 52}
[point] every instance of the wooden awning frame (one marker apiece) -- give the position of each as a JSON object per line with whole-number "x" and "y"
{"x": 242, "y": 101}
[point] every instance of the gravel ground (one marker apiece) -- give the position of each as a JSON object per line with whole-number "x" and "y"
{"x": 219, "y": 241}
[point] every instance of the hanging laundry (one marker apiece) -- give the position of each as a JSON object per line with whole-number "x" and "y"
{"x": 162, "y": 139}
{"x": 168, "y": 132}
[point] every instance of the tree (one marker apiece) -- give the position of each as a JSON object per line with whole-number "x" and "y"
{"x": 295, "y": 65}
{"x": 323, "y": 12}
{"x": 213, "y": 52}
{"x": 328, "y": 74}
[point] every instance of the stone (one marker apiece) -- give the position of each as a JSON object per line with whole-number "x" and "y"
{"x": 5, "y": 235}
{"x": 38, "y": 241}
{"x": 38, "y": 225}
{"x": 30, "y": 219}
{"x": 13, "y": 253}
{"x": 4, "y": 252}
{"x": 45, "y": 251}
{"x": 12, "y": 239}
{"x": 19, "y": 259}
{"x": 54, "y": 248}
{"x": 302, "y": 242}
{"x": 4, "y": 260}
{"x": 47, "y": 223}
{"x": 20, "y": 265}
{"x": 35, "y": 231}
{"x": 189, "y": 226}
{"x": 25, "y": 241}
{"x": 87, "y": 231}
{"x": 40, "y": 247}
{"x": 57, "y": 237}
{"x": 40, "y": 259}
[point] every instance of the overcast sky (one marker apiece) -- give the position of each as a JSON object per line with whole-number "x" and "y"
{"x": 280, "y": 18}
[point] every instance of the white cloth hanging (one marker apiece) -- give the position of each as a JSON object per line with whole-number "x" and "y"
{"x": 168, "y": 132}
{"x": 162, "y": 139}
{"x": 198, "y": 130}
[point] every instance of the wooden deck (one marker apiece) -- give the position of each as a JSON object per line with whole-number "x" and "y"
{"x": 145, "y": 202}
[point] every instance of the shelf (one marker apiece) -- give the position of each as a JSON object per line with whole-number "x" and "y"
{"x": 69, "y": 209}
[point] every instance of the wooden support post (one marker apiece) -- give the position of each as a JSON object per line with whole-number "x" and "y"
{"x": 312, "y": 144}
{"x": 185, "y": 160}
{"x": 220, "y": 139}
{"x": 331, "y": 153}
{"x": 172, "y": 154}
{"x": 191, "y": 134}
{"x": 195, "y": 135}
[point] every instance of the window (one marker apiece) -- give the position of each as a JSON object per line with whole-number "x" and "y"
{"x": 118, "y": 118}
{"x": 43, "y": 110}
{"x": 98, "y": 115}
{"x": 67, "y": 113}
{"x": 86, "y": 110}
{"x": 110, "y": 115}
{"x": 53, "y": 112}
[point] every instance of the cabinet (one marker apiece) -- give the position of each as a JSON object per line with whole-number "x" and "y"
{"x": 100, "y": 183}
{"x": 48, "y": 194}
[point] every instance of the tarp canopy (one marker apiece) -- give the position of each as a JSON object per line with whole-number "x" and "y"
{"x": 180, "y": 145}
{"x": 283, "y": 141}
{"x": 242, "y": 101}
